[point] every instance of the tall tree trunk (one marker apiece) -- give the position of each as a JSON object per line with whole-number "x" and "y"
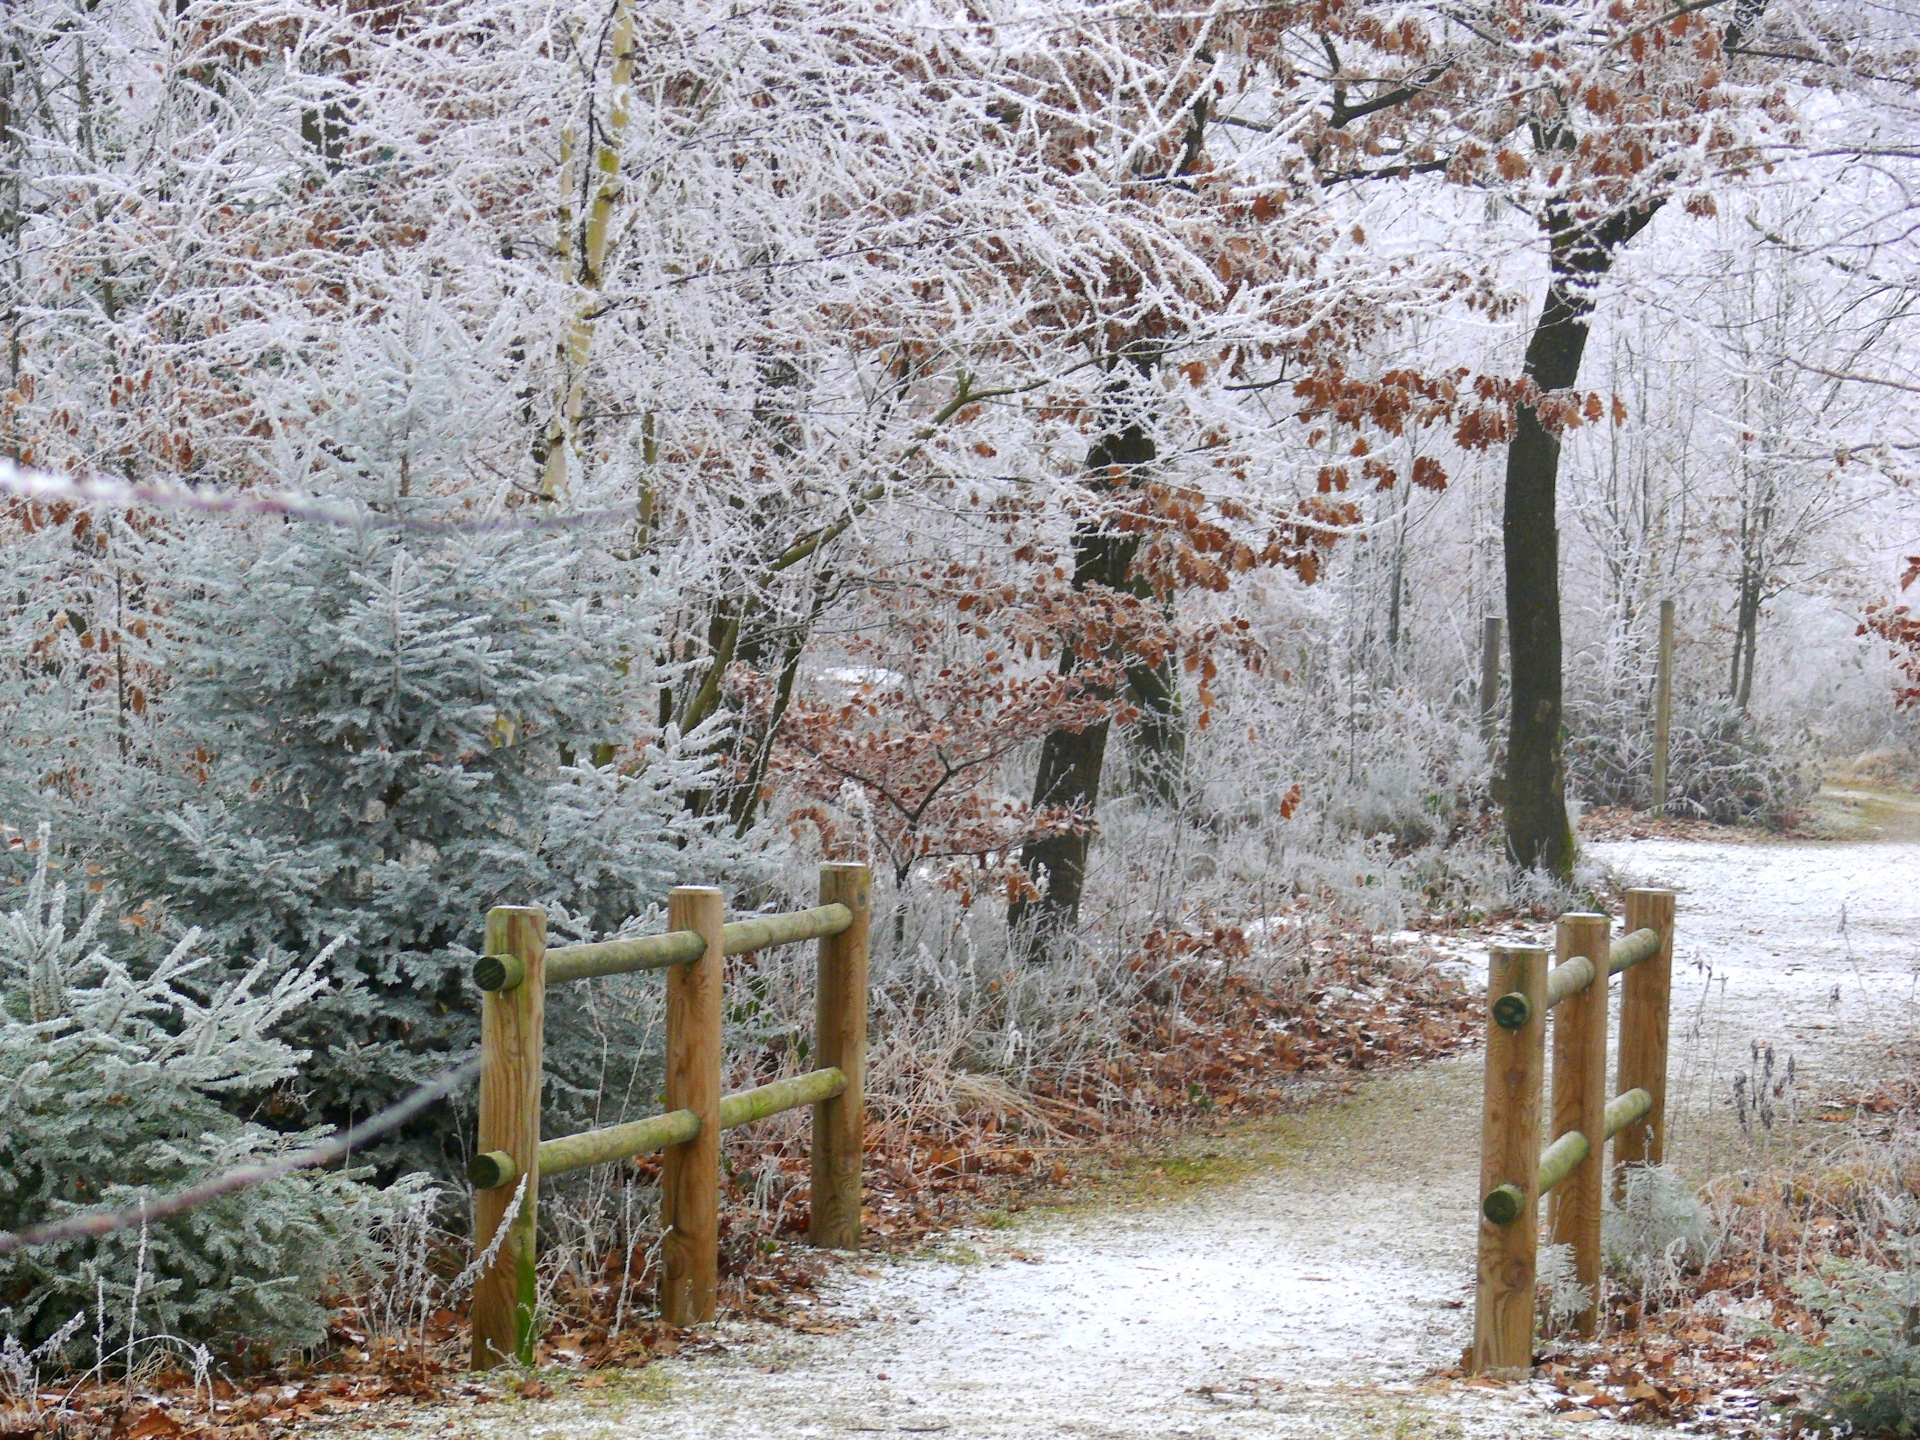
{"x": 1071, "y": 759}
{"x": 1756, "y": 521}
{"x": 1746, "y": 636}
{"x": 1539, "y": 835}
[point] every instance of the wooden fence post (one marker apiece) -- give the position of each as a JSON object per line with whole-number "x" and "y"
{"x": 1580, "y": 1102}
{"x": 690, "y": 1177}
{"x": 1510, "y": 1155}
{"x": 1662, "y": 708}
{"x": 1490, "y": 680}
{"x": 840, "y": 1039}
{"x": 511, "y": 1041}
{"x": 1646, "y": 992}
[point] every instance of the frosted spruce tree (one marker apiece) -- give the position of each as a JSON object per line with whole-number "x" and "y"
{"x": 376, "y": 735}
{"x": 118, "y": 1087}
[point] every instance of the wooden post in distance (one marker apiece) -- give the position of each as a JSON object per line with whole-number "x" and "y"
{"x": 1490, "y": 680}
{"x": 840, "y": 1040}
{"x": 512, "y": 1026}
{"x": 1662, "y": 709}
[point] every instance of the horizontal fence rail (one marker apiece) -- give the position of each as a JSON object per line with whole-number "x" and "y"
{"x": 1516, "y": 1172}
{"x": 1505, "y": 1202}
{"x": 656, "y": 1132}
{"x": 620, "y": 957}
{"x": 658, "y": 952}
{"x": 1512, "y": 1010}
{"x": 513, "y": 976}
{"x": 1568, "y": 980}
{"x": 1630, "y": 950}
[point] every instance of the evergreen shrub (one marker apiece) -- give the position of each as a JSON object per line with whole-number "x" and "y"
{"x": 380, "y": 736}
{"x": 1865, "y": 1370}
{"x": 118, "y": 1088}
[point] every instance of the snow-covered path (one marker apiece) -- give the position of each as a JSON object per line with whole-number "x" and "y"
{"x": 1314, "y": 1299}
{"x": 1813, "y": 949}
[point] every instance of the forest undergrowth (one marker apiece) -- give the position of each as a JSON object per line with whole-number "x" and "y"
{"x": 993, "y": 1088}
{"x": 1219, "y": 1025}
{"x": 1780, "y": 1297}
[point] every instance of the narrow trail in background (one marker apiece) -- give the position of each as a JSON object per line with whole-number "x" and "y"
{"x": 1315, "y": 1299}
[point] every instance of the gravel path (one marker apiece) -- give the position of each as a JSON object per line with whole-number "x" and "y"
{"x": 1315, "y": 1299}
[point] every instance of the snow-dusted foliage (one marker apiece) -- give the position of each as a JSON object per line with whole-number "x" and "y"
{"x": 930, "y": 392}
{"x": 118, "y": 1086}
{"x": 379, "y": 738}
{"x": 1658, "y": 1227}
{"x": 1864, "y": 1372}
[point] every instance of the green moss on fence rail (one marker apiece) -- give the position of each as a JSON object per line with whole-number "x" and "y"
{"x": 656, "y": 1132}
{"x": 657, "y": 952}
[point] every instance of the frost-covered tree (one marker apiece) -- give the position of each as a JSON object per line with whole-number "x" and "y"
{"x": 379, "y": 736}
{"x": 117, "y": 1087}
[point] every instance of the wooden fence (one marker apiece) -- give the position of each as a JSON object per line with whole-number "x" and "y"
{"x": 1514, "y": 1172}
{"x": 1490, "y": 630}
{"x": 515, "y": 972}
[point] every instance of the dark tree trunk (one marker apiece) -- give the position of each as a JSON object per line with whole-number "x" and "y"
{"x": 1756, "y": 523}
{"x": 1538, "y": 833}
{"x": 1160, "y": 735}
{"x": 1071, "y": 760}
{"x": 1746, "y": 636}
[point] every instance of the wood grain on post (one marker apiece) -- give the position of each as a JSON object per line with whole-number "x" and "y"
{"x": 690, "y": 1177}
{"x": 512, "y": 1026}
{"x": 1510, "y": 1155}
{"x": 1662, "y": 709}
{"x": 840, "y": 1042}
{"x": 1580, "y": 1103}
{"x": 1646, "y": 993}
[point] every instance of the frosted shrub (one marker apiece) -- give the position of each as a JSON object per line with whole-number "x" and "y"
{"x": 381, "y": 737}
{"x": 1724, "y": 770}
{"x": 1721, "y": 768}
{"x": 1559, "y": 1296}
{"x": 116, "y": 1089}
{"x": 1659, "y": 1227}
{"x": 1398, "y": 797}
{"x": 1866, "y": 1370}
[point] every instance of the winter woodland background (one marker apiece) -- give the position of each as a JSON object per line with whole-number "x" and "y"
{"x": 858, "y": 362}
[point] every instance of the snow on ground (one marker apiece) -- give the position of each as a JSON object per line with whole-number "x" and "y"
{"x": 1315, "y": 1299}
{"x": 1810, "y": 948}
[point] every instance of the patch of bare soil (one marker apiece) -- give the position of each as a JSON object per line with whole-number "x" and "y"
{"x": 1618, "y": 822}
{"x": 1861, "y": 808}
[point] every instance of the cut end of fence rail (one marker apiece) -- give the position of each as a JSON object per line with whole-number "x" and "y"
{"x": 492, "y": 1170}
{"x": 499, "y": 972}
{"x": 1512, "y": 1010}
{"x": 1504, "y": 1204}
